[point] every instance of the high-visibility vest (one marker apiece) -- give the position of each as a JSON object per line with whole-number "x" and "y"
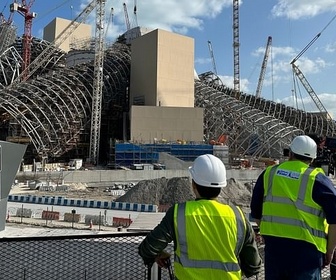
{"x": 289, "y": 210}
{"x": 209, "y": 237}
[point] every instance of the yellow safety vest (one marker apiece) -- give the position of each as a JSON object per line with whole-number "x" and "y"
{"x": 289, "y": 210}
{"x": 209, "y": 237}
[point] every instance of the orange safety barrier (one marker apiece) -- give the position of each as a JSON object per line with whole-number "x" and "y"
{"x": 50, "y": 215}
{"x": 124, "y": 222}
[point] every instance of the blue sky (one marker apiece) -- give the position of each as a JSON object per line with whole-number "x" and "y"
{"x": 291, "y": 23}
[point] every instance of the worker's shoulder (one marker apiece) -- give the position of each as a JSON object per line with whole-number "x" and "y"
{"x": 323, "y": 180}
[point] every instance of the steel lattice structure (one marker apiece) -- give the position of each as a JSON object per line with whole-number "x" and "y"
{"x": 255, "y": 126}
{"x": 52, "y": 110}
{"x": 7, "y": 34}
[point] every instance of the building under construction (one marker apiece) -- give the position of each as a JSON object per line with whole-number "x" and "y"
{"x": 150, "y": 94}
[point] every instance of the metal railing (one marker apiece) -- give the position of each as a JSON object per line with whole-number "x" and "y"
{"x": 86, "y": 257}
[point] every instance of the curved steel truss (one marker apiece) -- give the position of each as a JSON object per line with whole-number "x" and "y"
{"x": 52, "y": 111}
{"x": 255, "y": 126}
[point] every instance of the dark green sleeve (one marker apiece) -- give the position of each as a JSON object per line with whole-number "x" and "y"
{"x": 250, "y": 260}
{"x": 157, "y": 240}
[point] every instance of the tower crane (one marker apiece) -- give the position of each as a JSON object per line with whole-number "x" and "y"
{"x": 24, "y": 10}
{"x": 97, "y": 94}
{"x": 263, "y": 67}
{"x": 212, "y": 57}
{"x": 45, "y": 55}
{"x": 236, "y": 44}
{"x": 128, "y": 25}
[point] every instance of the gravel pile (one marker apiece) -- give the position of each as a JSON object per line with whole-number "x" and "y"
{"x": 165, "y": 191}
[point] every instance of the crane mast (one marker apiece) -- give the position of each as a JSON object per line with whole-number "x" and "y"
{"x": 24, "y": 10}
{"x": 97, "y": 94}
{"x": 263, "y": 66}
{"x": 212, "y": 57}
{"x": 236, "y": 44}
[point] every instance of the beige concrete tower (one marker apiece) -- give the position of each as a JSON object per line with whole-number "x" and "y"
{"x": 162, "y": 89}
{"x": 162, "y": 70}
{"x": 57, "y": 25}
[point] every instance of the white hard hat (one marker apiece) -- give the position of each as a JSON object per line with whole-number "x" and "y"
{"x": 304, "y": 145}
{"x": 208, "y": 171}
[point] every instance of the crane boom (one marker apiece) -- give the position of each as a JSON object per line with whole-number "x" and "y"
{"x": 97, "y": 94}
{"x": 110, "y": 20}
{"x": 263, "y": 67}
{"x": 44, "y": 56}
{"x": 128, "y": 25}
{"x": 212, "y": 57}
{"x": 310, "y": 90}
{"x": 135, "y": 13}
{"x": 306, "y": 84}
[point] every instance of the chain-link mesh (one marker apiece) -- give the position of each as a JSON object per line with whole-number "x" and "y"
{"x": 82, "y": 257}
{"x": 87, "y": 257}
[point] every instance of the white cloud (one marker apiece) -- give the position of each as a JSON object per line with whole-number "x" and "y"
{"x": 171, "y": 15}
{"x": 297, "y": 9}
{"x": 205, "y": 61}
{"x": 228, "y": 81}
{"x": 327, "y": 99}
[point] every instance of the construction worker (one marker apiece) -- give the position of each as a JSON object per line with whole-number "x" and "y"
{"x": 292, "y": 202}
{"x": 211, "y": 240}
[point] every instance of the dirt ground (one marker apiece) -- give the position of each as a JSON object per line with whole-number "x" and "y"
{"x": 75, "y": 191}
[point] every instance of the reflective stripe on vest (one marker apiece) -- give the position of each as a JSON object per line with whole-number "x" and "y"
{"x": 191, "y": 263}
{"x": 299, "y": 204}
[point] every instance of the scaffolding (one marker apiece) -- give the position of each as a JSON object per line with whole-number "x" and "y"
{"x": 128, "y": 154}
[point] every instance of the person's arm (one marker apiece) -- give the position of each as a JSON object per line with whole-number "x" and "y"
{"x": 331, "y": 244}
{"x": 257, "y": 199}
{"x": 157, "y": 240}
{"x": 250, "y": 260}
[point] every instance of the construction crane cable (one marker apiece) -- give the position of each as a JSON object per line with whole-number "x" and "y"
{"x": 41, "y": 16}
{"x": 4, "y": 7}
{"x": 312, "y": 41}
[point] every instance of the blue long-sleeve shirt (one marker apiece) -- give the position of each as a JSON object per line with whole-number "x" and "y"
{"x": 290, "y": 252}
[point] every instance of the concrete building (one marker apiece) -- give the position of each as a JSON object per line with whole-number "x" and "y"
{"x": 57, "y": 25}
{"x": 162, "y": 89}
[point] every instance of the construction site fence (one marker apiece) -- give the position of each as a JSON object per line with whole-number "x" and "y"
{"x": 63, "y": 201}
{"x": 87, "y": 257}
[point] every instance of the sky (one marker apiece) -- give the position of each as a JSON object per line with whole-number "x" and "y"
{"x": 292, "y": 24}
